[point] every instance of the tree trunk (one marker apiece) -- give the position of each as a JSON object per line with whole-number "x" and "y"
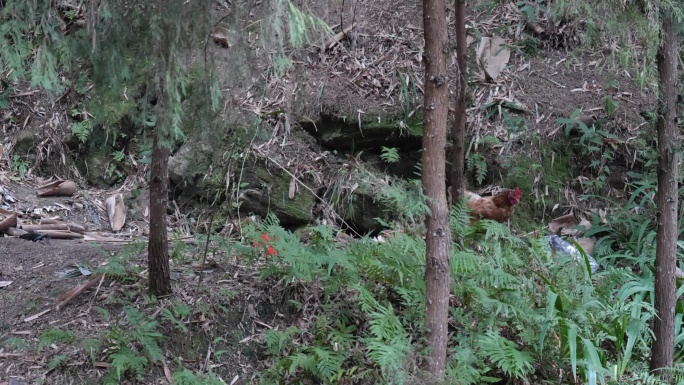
{"x": 438, "y": 237}
{"x": 458, "y": 183}
{"x": 158, "y": 247}
{"x": 666, "y": 247}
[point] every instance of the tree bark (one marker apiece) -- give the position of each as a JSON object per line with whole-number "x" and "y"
{"x": 458, "y": 183}
{"x": 666, "y": 246}
{"x": 158, "y": 247}
{"x": 438, "y": 237}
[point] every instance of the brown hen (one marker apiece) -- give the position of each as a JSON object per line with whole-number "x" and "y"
{"x": 499, "y": 207}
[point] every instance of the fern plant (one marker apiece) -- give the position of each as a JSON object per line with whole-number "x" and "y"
{"x": 505, "y": 355}
{"x": 477, "y": 164}
{"x": 132, "y": 350}
{"x": 594, "y": 142}
{"x": 389, "y": 154}
{"x": 81, "y": 129}
{"x": 20, "y": 165}
{"x": 52, "y": 335}
{"x": 518, "y": 311}
{"x": 187, "y": 377}
{"x": 386, "y": 281}
{"x": 404, "y": 197}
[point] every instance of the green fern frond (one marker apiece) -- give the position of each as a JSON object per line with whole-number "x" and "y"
{"x": 167, "y": 315}
{"x": 465, "y": 262}
{"x": 463, "y": 363}
{"x": 411, "y": 298}
{"x": 342, "y": 335}
{"x": 477, "y": 164}
{"x": 498, "y": 278}
{"x": 389, "y": 355}
{"x": 405, "y": 198}
{"x": 460, "y": 221}
{"x": 52, "y": 335}
{"x": 390, "y": 154}
{"x": 384, "y": 324}
{"x": 505, "y": 355}
{"x": 127, "y": 360}
{"x": 329, "y": 363}
{"x": 187, "y": 377}
{"x": 399, "y": 261}
{"x": 57, "y": 361}
{"x": 305, "y": 362}
{"x": 647, "y": 378}
{"x": 145, "y": 332}
{"x": 495, "y": 231}
{"x": 91, "y": 346}
{"x": 277, "y": 341}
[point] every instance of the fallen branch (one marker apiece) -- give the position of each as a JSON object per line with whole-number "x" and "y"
{"x": 75, "y": 292}
{"x": 15, "y": 232}
{"x": 19, "y": 95}
{"x": 53, "y": 221}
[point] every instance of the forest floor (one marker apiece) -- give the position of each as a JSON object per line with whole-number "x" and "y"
{"x": 47, "y": 343}
{"x": 46, "y": 340}
{"x": 231, "y": 308}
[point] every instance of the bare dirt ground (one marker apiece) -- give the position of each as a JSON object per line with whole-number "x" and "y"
{"x": 33, "y": 269}
{"x": 28, "y": 302}
{"x": 230, "y": 304}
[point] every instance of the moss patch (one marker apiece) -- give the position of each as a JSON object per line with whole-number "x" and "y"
{"x": 371, "y": 130}
{"x": 553, "y": 167}
{"x": 277, "y": 183}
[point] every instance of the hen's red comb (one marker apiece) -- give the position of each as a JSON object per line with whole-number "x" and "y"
{"x": 518, "y": 193}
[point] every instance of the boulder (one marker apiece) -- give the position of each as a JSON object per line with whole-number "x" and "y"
{"x": 96, "y": 167}
{"x": 189, "y": 164}
{"x": 266, "y": 189}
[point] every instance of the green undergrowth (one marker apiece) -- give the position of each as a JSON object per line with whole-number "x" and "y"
{"x": 518, "y": 312}
{"x": 543, "y": 178}
{"x": 351, "y": 312}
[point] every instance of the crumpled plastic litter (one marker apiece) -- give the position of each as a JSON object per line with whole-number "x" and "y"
{"x": 6, "y": 196}
{"x": 76, "y": 271}
{"x": 94, "y": 216}
{"x": 564, "y": 247}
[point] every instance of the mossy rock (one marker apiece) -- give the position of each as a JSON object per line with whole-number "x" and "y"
{"x": 25, "y": 144}
{"x": 265, "y": 189}
{"x": 99, "y": 171}
{"x": 374, "y": 130}
{"x": 189, "y": 165}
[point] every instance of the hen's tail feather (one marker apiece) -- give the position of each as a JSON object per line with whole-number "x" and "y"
{"x": 471, "y": 195}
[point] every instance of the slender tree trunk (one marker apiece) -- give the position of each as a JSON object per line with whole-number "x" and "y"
{"x": 458, "y": 183}
{"x": 666, "y": 247}
{"x": 438, "y": 237}
{"x": 158, "y": 247}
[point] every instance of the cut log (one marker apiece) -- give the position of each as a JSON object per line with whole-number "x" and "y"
{"x": 60, "y": 234}
{"x": 15, "y": 232}
{"x": 70, "y": 226}
{"x": 6, "y": 223}
{"x": 29, "y": 228}
{"x": 57, "y": 188}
